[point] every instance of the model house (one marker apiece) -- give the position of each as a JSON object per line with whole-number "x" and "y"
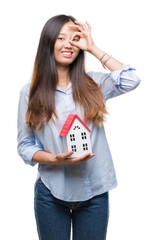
{"x": 76, "y": 136}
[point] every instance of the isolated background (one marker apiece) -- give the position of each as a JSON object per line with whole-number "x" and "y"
{"x": 127, "y": 30}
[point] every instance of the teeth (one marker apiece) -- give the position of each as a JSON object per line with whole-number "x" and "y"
{"x": 66, "y": 53}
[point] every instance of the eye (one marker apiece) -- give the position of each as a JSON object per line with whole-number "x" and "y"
{"x": 76, "y": 39}
{"x": 60, "y": 38}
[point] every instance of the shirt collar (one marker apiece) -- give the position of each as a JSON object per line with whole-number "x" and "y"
{"x": 67, "y": 89}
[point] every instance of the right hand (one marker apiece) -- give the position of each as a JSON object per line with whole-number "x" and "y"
{"x": 63, "y": 158}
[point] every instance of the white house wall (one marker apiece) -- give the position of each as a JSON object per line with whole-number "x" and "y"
{"x": 76, "y": 129}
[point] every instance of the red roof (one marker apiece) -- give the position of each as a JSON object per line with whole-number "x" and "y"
{"x": 69, "y": 121}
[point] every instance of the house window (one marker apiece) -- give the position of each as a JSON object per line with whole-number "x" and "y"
{"x": 83, "y": 135}
{"x": 76, "y": 127}
{"x": 73, "y": 147}
{"x": 72, "y": 137}
{"x": 85, "y": 146}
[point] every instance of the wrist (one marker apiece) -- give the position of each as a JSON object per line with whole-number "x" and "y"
{"x": 98, "y": 53}
{"x": 92, "y": 49}
{"x": 53, "y": 158}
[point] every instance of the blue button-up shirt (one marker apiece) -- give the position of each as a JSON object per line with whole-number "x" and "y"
{"x": 80, "y": 181}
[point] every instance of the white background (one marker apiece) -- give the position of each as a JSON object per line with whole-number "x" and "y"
{"x": 127, "y": 30}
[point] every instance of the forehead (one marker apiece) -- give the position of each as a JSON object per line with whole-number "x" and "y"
{"x": 65, "y": 30}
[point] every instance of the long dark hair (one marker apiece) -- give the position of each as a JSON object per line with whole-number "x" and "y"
{"x": 86, "y": 93}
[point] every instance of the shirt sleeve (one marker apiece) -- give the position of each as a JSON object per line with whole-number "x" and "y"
{"x": 26, "y": 140}
{"x": 116, "y": 82}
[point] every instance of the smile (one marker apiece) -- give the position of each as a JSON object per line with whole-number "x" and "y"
{"x": 67, "y": 54}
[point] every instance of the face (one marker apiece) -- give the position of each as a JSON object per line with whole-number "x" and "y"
{"x": 64, "y": 52}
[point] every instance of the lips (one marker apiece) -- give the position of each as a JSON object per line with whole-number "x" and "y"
{"x": 67, "y": 54}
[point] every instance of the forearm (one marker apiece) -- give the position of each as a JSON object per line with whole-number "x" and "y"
{"x": 43, "y": 157}
{"x": 112, "y": 64}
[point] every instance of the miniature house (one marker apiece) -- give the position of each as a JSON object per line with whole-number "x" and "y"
{"x": 76, "y": 136}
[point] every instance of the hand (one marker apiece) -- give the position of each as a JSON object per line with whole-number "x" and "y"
{"x": 63, "y": 158}
{"x": 85, "y": 40}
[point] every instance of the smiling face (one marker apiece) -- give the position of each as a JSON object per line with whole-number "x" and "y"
{"x": 64, "y": 52}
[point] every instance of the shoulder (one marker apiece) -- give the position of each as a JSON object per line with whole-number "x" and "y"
{"x": 25, "y": 89}
{"x": 24, "y": 93}
{"x": 98, "y": 77}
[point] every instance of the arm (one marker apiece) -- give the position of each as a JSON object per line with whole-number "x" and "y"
{"x": 43, "y": 157}
{"x": 112, "y": 64}
{"x": 26, "y": 146}
{"x": 122, "y": 79}
{"x": 59, "y": 159}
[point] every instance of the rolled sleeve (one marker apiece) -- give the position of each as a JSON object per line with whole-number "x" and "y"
{"x": 116, "y": 82}
{"x": 27, "y": 145}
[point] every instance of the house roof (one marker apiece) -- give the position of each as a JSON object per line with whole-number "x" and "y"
{"x": 69, "y": 121}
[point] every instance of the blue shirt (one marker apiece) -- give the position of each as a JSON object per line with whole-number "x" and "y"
{"x": 80, "y": 181}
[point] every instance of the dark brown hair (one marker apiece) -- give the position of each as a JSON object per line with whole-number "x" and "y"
{"x": 86, "y": 92}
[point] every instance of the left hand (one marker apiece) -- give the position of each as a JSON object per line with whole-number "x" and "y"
{"x": 85, "y": 42}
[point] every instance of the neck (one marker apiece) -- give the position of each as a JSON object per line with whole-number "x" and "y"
{"x": 63, "y": 75}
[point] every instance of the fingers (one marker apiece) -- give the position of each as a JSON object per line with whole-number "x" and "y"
{"x": 83, "y": 24}
{"x": 68, "y": 154}
{"x": 76, "y": 34}
{"x": 76, "y": 26}
{"x": 84, "y": 158}
{"x": 88, "y": 157}
{"x": 64, "y": 158}
{"x": 89, "y": 26}
{"x": 75, "y": 43}
{"x": 63, "y": 155}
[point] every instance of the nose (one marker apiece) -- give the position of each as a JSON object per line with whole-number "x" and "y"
{"x": 68, "y": 44}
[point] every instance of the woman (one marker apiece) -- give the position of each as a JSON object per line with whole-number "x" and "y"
{"x": 70, "y": 188}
